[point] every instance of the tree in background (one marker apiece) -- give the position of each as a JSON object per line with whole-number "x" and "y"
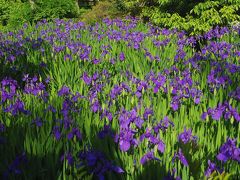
{"x": 104, "y": 9}
{"x": 50, "y": 9}
{"x": 194, "y": 16}
{"x": 14, "y": 13}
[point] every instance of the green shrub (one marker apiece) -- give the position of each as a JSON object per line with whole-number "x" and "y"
{"x": 14, "y": 13}
{"x": 102, "y": 9}
{"x": 4, "y": 9}
{"x": 19, "y": 14}
{"x": 193, "y": 16}
{"x": 50, "y": 9}
{"x": 201, "y": 18}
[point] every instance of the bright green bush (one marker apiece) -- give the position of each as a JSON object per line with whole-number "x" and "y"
{"x": 102, "y": 9}
{"x": 189, "y": 15}
{"x": 14, "y": 13}
{"x": 4, "y": 12}
{"x": 192, "y": 16}
{"x": 50, "y": 9}
{"x": 19, "y": 14}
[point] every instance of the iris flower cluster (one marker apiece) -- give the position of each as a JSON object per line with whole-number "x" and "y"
{"x": 116, "y": 91}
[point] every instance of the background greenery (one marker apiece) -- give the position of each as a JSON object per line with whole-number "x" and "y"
{"x": 14, "y": 13}
{"x": 190, "y": 15}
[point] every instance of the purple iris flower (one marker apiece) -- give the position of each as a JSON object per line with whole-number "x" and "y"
{"x": 112, "y": 60}
{"x": 142, "y": 85}
{"x": 96, "y": 61}
{"x": 175, "y": 104}
{"x": 154, "y": 140}
{"x": 117, "y": 90}
{"x": 148, "y": 112}
{"x": 14, "y": 167}
{"x": 67, "y": 57}
{"x": 2, "y": 127}
{"x": 170, "y": 175}
{"x": 17, "y": 107}
{"x": 159, "y": 82}
{"x": 147, "y": 157}
{"x": 163, "y": 125}
{"x": 96, "y": 106}
{"x": 64, "y": 91}
{"x": 38, "y": 122}
{"x": 122, "y": 56}
{"x": 217, "y": 113}
{"x": 87, "y": 79}
{"x": 228, "y": 151}
{"x": 139, "y": 122}
{"x": 204, "y": 115}
{"x": 98, "y": 164}
{"x": 77, "y": 96}
{"x": 211, "y": 168}
{"x": 126, "y": 135}
{"x": 197, "y": 100}
{"x": 181, "y": 157}
{"x": 124, "y": 144}
{"x": 107, "y": 114}
{"x": 74, "y": 132}
{"x": 8, "y": 89}
{"x": 187, "y": 136}
{"x": 68, "y": 156}
{"x": 56, "y": 132}
{"x": 229, "y": 112}
{"x": 147, "y": 134}
{"x": 225, "y": 110}
{"x": 161, "y": 146}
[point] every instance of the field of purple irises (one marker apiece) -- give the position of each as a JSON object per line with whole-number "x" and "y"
{"x": 119, "y": 100}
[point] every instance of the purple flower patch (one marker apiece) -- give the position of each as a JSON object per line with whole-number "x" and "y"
{"x": 229, "y": 151}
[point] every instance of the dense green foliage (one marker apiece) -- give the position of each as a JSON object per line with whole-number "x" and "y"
{"x": 103, "y": 9}
{"x": 192, "y": 16}
{"x": 14, "y": 13}
{"x": 46, "y": 9}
